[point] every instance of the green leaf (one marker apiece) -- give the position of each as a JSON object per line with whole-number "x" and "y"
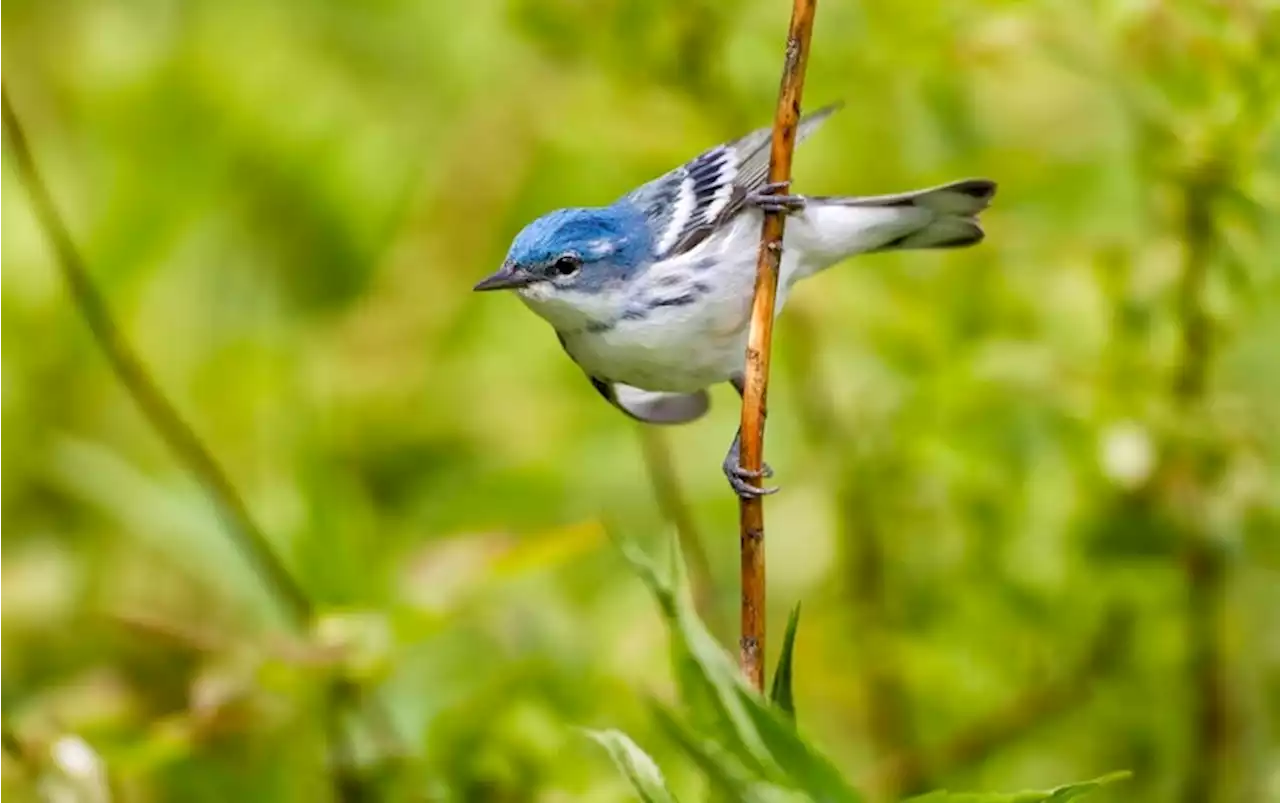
{"x": 803, "y": 766}
{"x": 725, "y": 773}
{"x": 710, "y": 684}
{"x": 636, "y": 765}
{"x": 1060, "y": 794}
{"x": 780, "y": 690}
{"x": 728, "y": 779}
{"x": 726, "y": 710}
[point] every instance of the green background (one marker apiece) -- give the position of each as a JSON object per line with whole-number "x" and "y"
{"x": 1030, "y": 488}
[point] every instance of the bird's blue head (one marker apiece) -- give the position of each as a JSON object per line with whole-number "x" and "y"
{"x": 581, "y": 250}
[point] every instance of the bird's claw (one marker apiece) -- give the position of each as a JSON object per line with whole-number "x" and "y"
{"x": 740, "y": 481}
{"x": 769, "y": 198}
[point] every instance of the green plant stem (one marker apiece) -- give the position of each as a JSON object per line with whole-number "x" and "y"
{"x": 156, "y": 408}
{"x": 10, "y": 742}
{"x": 674, "y": 507}
{"x": 187, "y": 447}
{"x": 1204, "y": 566}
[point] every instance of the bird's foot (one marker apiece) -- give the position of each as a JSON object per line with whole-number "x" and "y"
{"x": 740, "y": 479}
{"x": 769, "y": 198}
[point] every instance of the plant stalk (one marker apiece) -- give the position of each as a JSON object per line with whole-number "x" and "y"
{"x": 1205, "y": 567}
{"x": 674, "y": 507}
{"x": 759, "y": 341}
{"x": 178, "y": 435}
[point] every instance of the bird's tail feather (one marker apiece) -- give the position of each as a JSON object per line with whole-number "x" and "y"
{"x": 955, "y": 208}
{"x": 948, "y": 231}
{"x": 965, "y": 197}
{"x": 938, "y": 217}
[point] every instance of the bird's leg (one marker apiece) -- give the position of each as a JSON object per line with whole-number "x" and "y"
{"x": 739, "y": 477}
{"x": 769, "y": 197}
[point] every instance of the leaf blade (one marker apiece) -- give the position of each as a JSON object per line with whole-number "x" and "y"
{"x": 802, "y": 766}
{"x": 635, "y": 764}
{"x": 780, "y": 691}
{"x": 1059, "y": 794}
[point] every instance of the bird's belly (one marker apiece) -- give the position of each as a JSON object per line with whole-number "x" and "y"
{"x": 680, "y": 351}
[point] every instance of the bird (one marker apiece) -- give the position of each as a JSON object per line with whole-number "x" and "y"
{"x": 651, "y": 295}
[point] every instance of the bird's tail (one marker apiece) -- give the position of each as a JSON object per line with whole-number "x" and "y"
{"x": 833, "y": 228}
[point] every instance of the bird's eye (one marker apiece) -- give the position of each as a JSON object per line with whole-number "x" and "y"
{"x": 566, "y": 265}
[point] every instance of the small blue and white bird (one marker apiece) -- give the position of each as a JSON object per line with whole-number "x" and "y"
{"x": 651, "y": 296}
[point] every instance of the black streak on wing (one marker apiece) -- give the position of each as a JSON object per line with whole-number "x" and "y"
{"x": 717, "y": 181}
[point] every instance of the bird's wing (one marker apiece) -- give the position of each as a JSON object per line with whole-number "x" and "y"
{"x": 653, "y": 407}
{"x": 687, "y": 204}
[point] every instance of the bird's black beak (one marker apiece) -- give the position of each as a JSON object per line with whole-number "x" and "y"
{"x": 507, "y": 278}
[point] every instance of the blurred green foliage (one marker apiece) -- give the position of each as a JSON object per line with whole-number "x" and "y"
{"x": 990, "y": 457}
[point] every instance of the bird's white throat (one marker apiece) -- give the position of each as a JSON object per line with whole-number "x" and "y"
{"x": 572, "y": 310}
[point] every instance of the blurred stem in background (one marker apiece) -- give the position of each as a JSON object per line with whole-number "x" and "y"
{"x": 904, "y": 765}
{"x": 1204, "y": 561}
{"x": 156, "y": 408}
{"x": 888, "y": 717}
{"x": 675, "y": 508}
{"x": 189, "y": 450}
{"x": 1030, "y": 710}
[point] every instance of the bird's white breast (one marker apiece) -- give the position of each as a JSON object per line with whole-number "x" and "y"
{"x": 684, "y": 347}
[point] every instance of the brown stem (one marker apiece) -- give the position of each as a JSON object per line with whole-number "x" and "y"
{"x": 759, "y": 340}
{"x": 675, "y": 509}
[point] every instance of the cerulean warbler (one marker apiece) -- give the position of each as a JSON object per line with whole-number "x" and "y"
{"x": 651, "y": 295}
